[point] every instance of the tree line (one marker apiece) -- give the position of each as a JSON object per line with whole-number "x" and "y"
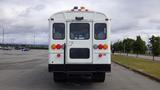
{"x": 138, "y": 46}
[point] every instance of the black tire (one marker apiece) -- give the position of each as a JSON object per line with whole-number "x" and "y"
{"x": 59, "y": 76}
{"x": 98, "y": 76}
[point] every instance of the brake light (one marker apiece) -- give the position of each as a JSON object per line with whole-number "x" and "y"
{"x": 100, "y": 46}
{"x": 53, "y": 46}
{"x": 58, "y": 46}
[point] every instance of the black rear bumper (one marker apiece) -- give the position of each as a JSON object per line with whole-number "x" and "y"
{"x": 79, "y": 67}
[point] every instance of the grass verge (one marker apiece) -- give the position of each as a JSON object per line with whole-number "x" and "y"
{"x": 149, "y": 67}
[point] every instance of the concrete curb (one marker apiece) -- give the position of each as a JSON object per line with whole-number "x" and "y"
{"x": 140, "y": 72}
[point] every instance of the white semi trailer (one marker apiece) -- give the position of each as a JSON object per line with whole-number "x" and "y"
{"x": 79, "y": 43}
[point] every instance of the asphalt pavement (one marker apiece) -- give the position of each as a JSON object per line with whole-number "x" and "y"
{"x": 28, "y": 71}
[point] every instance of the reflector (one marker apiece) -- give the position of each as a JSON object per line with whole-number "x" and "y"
{"x": 100, "y": 55}
{"x": 58, "y": 55}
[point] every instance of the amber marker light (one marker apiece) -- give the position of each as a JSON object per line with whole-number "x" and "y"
{"x": 53, "y": 46}
{"x": 105, "y": 46}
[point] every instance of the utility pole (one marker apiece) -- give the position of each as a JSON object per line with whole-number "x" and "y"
{"x": 124, "y": 43}
{"x": 124, "y": 47}
{"x": 148, "y": 36}
{"x": 2, "y": 34}
{"x": 2, "y": 27}
{"x": 34, "y": 39}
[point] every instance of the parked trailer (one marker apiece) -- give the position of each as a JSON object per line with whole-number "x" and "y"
{"x": 79, "y": 43}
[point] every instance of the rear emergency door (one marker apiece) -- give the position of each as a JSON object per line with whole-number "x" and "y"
{"x": 79, "y": 43}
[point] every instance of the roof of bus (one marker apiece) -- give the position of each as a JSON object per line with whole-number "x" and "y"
{"x": 70, "y": 15}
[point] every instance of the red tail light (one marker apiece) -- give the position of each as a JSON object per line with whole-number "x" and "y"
{"x": 100, "y": 46}
{"x": 58, "y": 46}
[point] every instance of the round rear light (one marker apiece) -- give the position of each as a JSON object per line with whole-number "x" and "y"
{"x": 58, "y": 46}
{"x": 58, "y": 55}
{"x": 100, "y": 46}
{"x": 105, "y": 46}
{"x": 53, "y": 46}
{"x": 100, "y": 55}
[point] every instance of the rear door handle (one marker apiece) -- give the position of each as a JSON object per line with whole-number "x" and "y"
{"x": 70, "y": 43}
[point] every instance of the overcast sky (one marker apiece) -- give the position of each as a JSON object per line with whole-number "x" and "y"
{"x": 22, "y": 18}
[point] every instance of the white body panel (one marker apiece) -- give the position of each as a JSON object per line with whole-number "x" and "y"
{"x": 90, "y": 17}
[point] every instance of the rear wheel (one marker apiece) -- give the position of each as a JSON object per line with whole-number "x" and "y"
{"x": 98, "y": 77}
{"x": 59, "y": 76}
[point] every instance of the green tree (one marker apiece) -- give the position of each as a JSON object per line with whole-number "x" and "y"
{"x": 114, "y": 47}
{"x": 139, "y": 46}
{"x": 155, "y": 46}
{"x": 118, "y": 47}
{"x": 127, "y": 44}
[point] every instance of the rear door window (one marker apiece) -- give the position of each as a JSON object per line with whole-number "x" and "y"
{"x": 79, "y": 31}
{"x": 100, "y": 31}
{"x": 58, "y": 31}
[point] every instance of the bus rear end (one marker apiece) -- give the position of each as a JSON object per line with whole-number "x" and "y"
{"x": 79, "y": 44}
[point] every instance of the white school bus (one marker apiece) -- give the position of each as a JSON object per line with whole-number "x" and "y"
{"x": 79, "y": 44}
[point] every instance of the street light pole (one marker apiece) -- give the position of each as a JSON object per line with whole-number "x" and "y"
{"x": 124, "y": 46}
{"x": 147, "y": 40}
{"x": 3, "y": 34}
{"x": 34, "y": 39}
{"x": 148, "y": 37}
{"x": 2, "y": 27}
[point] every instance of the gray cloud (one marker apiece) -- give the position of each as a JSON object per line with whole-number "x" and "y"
{"x": 128, "y": 16}
{"x": 28, "y": 11}
{"x": 155, "y": 21}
